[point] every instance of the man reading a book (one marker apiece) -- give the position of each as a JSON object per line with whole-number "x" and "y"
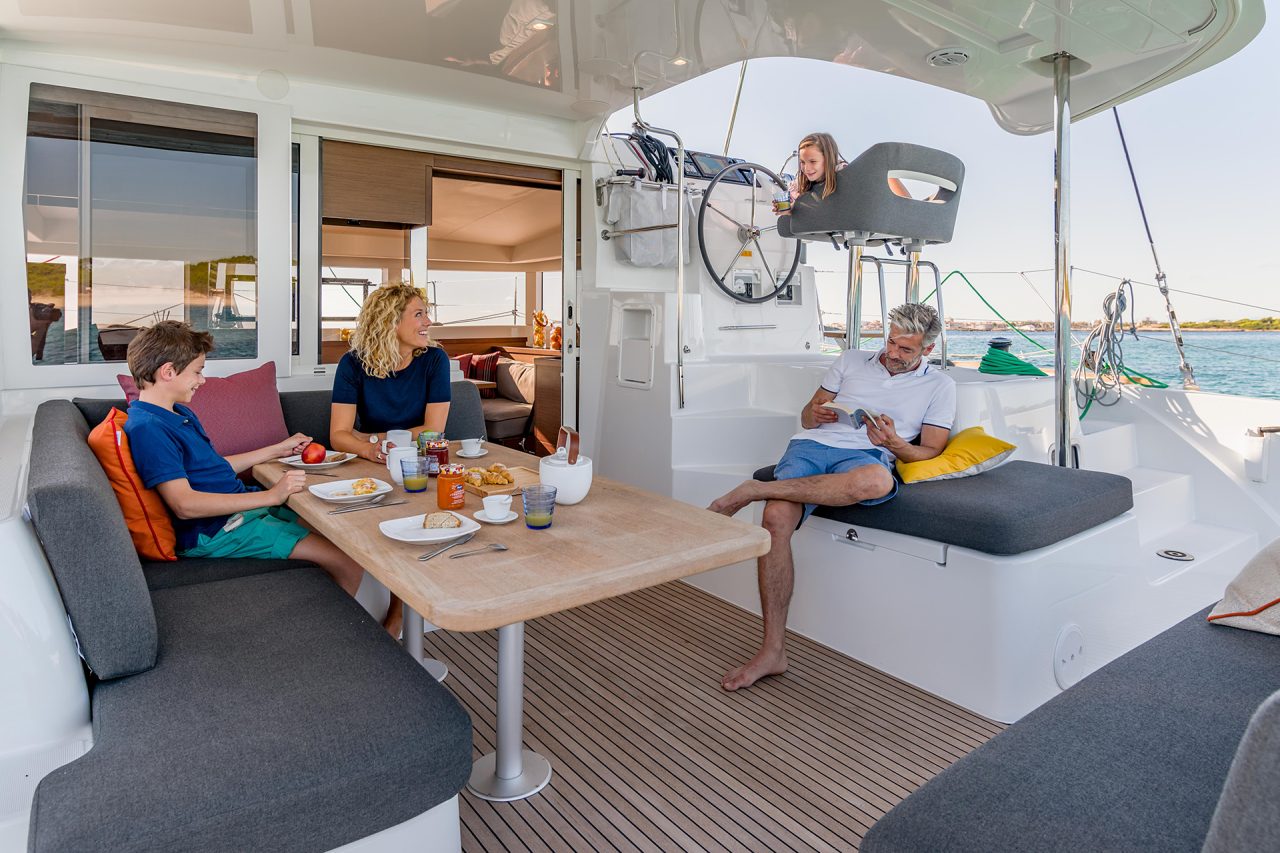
{"x": 904, "y": 408}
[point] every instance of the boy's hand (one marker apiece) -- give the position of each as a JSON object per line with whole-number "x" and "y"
{"x": 290, "y": 484}
{"x": 291, "y": 446}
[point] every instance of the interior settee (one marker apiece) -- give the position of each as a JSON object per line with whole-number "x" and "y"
{"x": 236, "y": 704}
{"x": 508, "y": 413}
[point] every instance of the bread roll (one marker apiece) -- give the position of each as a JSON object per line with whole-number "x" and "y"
{"x": 439, "y": 520}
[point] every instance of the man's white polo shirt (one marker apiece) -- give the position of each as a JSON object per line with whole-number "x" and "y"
{"x": 857, "y": 378}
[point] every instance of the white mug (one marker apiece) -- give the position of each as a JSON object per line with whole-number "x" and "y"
{"x": 471, "y": 446}
{"x": 393, "y": 461}
{"x": 497, "y": 507}
{"x": 398, "y": 437}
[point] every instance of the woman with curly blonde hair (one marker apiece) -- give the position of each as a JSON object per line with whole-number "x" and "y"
{"x": 393, "y": 378}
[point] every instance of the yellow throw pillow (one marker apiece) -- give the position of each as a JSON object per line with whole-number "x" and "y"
{"x": 969, "y": 452}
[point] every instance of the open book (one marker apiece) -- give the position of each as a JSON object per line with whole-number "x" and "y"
{"x": 853, "y": 417}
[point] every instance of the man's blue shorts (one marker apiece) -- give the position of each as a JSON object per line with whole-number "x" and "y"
{"x": 806, "y": 458}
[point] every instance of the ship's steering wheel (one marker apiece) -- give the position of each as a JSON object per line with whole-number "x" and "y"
{"x": 748, "y": 234}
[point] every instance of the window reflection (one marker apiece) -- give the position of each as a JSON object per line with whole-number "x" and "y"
{"x": 138, "y": 211}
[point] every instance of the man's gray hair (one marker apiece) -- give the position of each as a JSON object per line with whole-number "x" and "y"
{"x": 916, "y": 318}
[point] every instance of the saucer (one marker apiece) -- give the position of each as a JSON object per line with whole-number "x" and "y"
{"x": 466, "y": 455}
{"x": 512, "y": 515}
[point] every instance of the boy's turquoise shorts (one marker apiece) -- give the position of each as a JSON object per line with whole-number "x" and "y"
{"x": 266, "y": 533}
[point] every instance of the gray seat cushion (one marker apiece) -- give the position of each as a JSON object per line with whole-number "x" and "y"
{"x": 1131, "y": 758}
{"x": 505, "y": 418}
{"x": 466, "y": 415}
{"x": 183, "y": 572}
{"x": 77, "y": 519}
{"x": 1016, "y": 507}
{"x": 279, "y": 716}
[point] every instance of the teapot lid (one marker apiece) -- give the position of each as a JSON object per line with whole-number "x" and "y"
{"x": 560, "y": 459}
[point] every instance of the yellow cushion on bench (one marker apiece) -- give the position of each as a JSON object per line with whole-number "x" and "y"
{"x": 969, "y": 452}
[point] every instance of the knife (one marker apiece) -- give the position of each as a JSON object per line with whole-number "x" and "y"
{"x": 369, "y": 506}
{"x": 458, "y": 541}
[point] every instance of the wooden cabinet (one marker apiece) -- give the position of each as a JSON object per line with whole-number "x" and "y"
{"x": 546, "y": 404}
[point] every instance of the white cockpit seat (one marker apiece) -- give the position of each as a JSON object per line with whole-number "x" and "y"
{"x": 863, "y": 210}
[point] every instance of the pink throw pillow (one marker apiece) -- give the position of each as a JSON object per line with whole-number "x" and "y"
{"x": 240, "y": 412}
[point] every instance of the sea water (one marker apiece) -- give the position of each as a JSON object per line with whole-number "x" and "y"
{"x": 1243, "y": 363}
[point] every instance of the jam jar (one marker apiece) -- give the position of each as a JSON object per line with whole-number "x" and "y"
{"x": 450, "y": 493}
{"x": 437, "y": 449}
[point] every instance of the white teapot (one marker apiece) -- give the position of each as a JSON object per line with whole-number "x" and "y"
{"x": 566, "y": 470}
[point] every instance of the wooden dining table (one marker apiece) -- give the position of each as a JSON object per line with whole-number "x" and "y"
{"x": 617, "y": 540}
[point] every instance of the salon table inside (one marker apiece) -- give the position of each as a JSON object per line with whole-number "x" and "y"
{"x": 617, "y": 540}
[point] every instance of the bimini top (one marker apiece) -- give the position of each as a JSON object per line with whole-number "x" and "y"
{"x": 579, "y": 58}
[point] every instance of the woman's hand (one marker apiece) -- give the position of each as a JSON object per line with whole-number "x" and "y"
{"x": 373, "y": 450}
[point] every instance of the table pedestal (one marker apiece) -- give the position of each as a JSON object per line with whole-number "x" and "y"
{"x": 512, "y": 772}
{"x": 412, "y": 634}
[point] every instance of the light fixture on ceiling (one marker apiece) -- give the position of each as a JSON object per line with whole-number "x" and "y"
{"x": 947, "y": 57}
{"x": 679, "y": 60}
{"x": 540, "y": 24}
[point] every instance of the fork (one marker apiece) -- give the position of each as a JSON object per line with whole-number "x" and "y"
{"x": 459, "y": 541}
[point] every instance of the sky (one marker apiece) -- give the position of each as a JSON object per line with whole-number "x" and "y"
{"x": 1205, "y": 150}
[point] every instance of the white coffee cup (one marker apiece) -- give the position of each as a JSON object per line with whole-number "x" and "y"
{"x": 497, "y": 507}
{"x": 398, "y": 437}
{"x": 393, "y": 461}
{"x": 472, "y": 446}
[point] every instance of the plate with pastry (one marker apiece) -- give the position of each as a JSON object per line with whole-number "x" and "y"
{"x": 429, "y": 527}
{"x": 350, "y": 491}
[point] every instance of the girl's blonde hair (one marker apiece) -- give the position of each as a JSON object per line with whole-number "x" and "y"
{"x": 374, "y": 340}
{"x": 826, "y": 145}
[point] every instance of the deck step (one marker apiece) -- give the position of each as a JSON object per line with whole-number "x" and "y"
{"x": 701, "y": 484}
{"x": 1162, "y": 500}
{"x": 1219, "y": 554}
{"x": 1109, "y": 446}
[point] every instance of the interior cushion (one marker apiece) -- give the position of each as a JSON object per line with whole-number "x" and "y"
{"x": 221, "y": 405}
{"x": 515, "y": 380}
{"x": 464, "y": 364}
{"x": 485, "y": 368}
{"x": 1252, "y": 599}
{"x": 968, "y": 452}
{"x": 311, "y": 730}
{"x": 145, "y": 513}
{"x": 1131, "y": 758}
{"x": 1017, "y": 507}
{"x": 77, "y": 519}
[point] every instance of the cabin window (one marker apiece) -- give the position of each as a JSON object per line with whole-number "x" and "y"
{"x": 137, "y": 211}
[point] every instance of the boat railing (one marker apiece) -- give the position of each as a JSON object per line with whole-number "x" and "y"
{"x": 853, "y": 295}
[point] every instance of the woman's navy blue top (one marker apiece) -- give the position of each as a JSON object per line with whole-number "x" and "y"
{"x": 399, "y": 400}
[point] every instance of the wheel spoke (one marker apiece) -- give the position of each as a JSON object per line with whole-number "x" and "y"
{"x": 773, "y": 282}
{"x": 734, "y": 262}
{"x": 736, "y": 223}
{"x": 768, "y": 228}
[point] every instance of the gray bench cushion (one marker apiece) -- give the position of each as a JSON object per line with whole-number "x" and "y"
{"x": 78, "y": 521}
{"x": 1017, "y": 507}
{"x": 279, "y": 716}
{"x": 505, "y": 418}
{"x": 183, "y": 572}
{"x": 1131, "y": 758}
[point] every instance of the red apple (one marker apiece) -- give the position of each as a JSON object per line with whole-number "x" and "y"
{"x": 314, "y": 453}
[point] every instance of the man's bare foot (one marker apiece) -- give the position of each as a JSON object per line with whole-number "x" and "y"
{"x": 763, "y": 664}
{"x": 735, "y": 500}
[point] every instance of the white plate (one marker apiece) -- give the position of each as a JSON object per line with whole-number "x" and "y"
{"x": 465, "y": 455}
{"x": 340, "y": 492}
{"x": 331, "y": 459}
{"x": 512, "y": 515}
{"x": 411, "y": 530}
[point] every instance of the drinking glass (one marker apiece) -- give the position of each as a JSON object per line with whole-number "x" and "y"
{"x": 414, "y": 470}
{"x": 539, "y": 504}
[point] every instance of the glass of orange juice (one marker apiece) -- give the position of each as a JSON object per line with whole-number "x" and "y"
{"x": 415, "y": 473}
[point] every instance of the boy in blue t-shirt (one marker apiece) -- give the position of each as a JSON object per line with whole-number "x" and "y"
{"x": 216, "y": 514}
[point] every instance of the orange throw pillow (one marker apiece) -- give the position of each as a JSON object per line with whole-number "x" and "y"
{"x": 144, "y": 509}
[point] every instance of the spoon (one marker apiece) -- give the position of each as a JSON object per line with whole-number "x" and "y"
{"x": 492, "y": 546}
